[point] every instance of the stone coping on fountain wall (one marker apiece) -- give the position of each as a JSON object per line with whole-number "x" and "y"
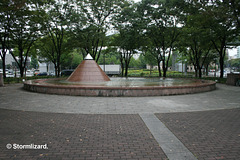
{"x": 112, "y": 91}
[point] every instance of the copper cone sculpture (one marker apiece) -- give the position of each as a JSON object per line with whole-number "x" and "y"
{"x": 88, "y": 71}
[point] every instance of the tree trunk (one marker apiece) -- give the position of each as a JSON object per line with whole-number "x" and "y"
{"x": 196, "y": 71}
{"x": 163, "y": 67}
{"x": 207, "y": 70}
{"x": 122, "y": 66}
{"x": 126, "y": 71}
{"x": 221, "y": 52}
{"x": 164, "y": 72}
{"x": 58, "y": 70}
{"x": 200, "y": 72}
{"x": 21, "y": 71}
{"x": 126, "y": 67}
{"x": 221, "y": 62}
{"x": 150, "y": 70}
{"x": 165, "y": 64}
{"x": 58, "y": 64}
{"x": 159, "y": 69}
{"x": 55, "y": 67}
{"x": 4, "y": 65}
{"x": 122, "y": 69}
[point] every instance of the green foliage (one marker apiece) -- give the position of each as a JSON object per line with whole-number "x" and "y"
{"x": 150, "y": 59}
{"x": 21, "y": 24}
{"x": 129, "y": 38}
{"x": 235, "y": 63}
{"x": 34, "y": 63}
{"x": 59, "y": 31}
{"x": 92, "y": 40}
{"x": 134, "y": 63}
{"x": 161, "y": 18}
{"x": 96, "y": 17}
{"x": 71, "y": 60}
{"x": 195, "y": 44}
{"x": 142, "y": 61}
{"x": 154, "y": 73}
{"x": 223, "y": 27}
{"x": 109, "y": 56}
{"x": 208, "y": 29}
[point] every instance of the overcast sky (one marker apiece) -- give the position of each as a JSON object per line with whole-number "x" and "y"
{"x": 136, "y": 0}
{"x": 232, "y": 52}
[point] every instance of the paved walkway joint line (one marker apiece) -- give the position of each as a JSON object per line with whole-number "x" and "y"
{"x": 169, "y": 143}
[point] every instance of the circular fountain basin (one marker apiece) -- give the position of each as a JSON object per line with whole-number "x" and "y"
{"x": 124, "y": 87}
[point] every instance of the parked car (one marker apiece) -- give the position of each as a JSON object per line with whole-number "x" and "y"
{"x": 51, "y": 73}
{"x": 42, "y": 74}
{"x": 29, "y": 73}
{"x": 67, "y": 72}
{"x": 9, "y": 74}
{"x": 212, "y": 70}
{"x": 36, "y": 72}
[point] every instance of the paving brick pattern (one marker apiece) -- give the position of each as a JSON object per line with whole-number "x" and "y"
{"x": 14, "y": 98}
{"x": 208, "y": 134}
{"x": 77, "y": 136}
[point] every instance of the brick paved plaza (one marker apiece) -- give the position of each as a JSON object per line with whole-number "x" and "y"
{"x": 198, "y": 126}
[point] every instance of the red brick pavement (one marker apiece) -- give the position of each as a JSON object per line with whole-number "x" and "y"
{"x": 209, "y": 134}
{"x": 77, "y": 136}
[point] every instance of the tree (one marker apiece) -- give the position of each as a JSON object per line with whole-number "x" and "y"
{"x": 151, "y": 60}
{"x": 26, "y": 22}
{"x": 142, "y": 61}
{"x": 57, "y": 24}
{"x": 234, "y": 6}
{"x": 211, "y": 58}
{"x": 34, "y": 62}
{"x": 161, "y": 19}
{"x": 128, "y": 39}
{"x": 4, "y": 31}
{"x": 235, "y": 63}
{"x": 223, "y": 29}
{"x": 45, "y": 49}
{"x": 218, "y": 26}
{"x": 92, "y": 41}
{"x": 151, "y": 54}
{"x": 71, "y": 60}
{"x": 4, "y": 48}
{"x": 97, "y": 18}
{"x": 6, "y": 22}
{"x": 109, "y": 56}
{"x": 217, "y": 17}
{"x": 196, "y": 40}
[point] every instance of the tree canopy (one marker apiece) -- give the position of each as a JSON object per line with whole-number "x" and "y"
{"x": 55, "y": 30}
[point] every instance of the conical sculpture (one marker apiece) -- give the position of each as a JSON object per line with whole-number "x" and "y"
{"x": 88, "y": 71}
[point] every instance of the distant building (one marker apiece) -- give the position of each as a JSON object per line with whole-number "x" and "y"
{"x": 9, "y": 59}
{"x": 238, "y": 52}
{"x": 46, "y": 67}
{"x": 174, "y": 59}
{"x": 178, "y": 66}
